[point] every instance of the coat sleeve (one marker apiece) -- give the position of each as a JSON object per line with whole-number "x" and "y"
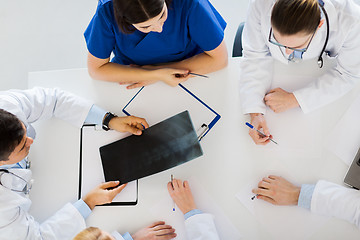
{"x": 43, "y": 103}
{"x": 257, "y": 63}
{"x": 201, "y": 227}
{"x": 330, "y": 199}
{"x": 338, "y": 80}
{"x": 63, "y": 225}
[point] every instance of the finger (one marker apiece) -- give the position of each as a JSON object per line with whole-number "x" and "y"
{"x": 162, "y": 227}
{"x": 264, "y": 185}
{"x": 163, "y": 232}
{"x": 133, "y": 130}
{"x": 170, "y": 187}
{"x": 265, "y": 128}
{"x": 156, "y": 224}
{"x": 260, "y": 191}
{"x": 186, "y": 185}
{"x": 267, "y": 199}
{"x": 110, "y": 184}
{"x": 273, "y": 177}
{"x": 142, "y": 121}
{"x": 118, "y": 189}
{"x": 181, "y": 73}
{"x": 135, "y": 85}
{"x": 268, "y": 180}
{"x": 177, "y": 184}
{"x": 166, "y": 237}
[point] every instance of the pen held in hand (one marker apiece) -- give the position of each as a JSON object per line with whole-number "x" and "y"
{"x": 195, "y": 74}
{"x": 254, "y": 196}
{"x": 172, "y": 178}
{"x": 262, "y": 134}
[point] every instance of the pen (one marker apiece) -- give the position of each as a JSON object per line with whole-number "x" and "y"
{"x": 172, "y": 178}
{"x": 195, "y": 74}
{"x": 254, "y": 196}
{"x": 262, "y": 134}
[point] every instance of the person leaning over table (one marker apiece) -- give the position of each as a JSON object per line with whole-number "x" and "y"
{"x": 291, "y": 31}
{"x": 198, "y": 225}
{"x": 19, "y": 109}
{"x": 154, "y": 40}
{"x": 324, "y": 198}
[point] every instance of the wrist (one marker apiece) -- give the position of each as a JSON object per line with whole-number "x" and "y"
{"x": 88, "y": 202}
{"x": 107, "y": 119}
{"x": 296, "y": 195}
{"x": 253, "y": 115}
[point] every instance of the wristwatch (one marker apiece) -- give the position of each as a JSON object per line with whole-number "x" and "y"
{"x": 107, "y": 118}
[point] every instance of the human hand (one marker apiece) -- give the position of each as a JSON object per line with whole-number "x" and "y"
{"x": 101, "y": 195}
{"x": 258, "y": 121}
{"x": 172, "y": 76}
{"x": 180, "y": 192}
{"x": 278, "y": 191}
{"x": 280, "y": 100}
{"x": 130, "y": 124}
{"x": 156, "y": 231}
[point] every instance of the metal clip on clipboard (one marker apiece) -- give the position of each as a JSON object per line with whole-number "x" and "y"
{"x": 201, "y": 131}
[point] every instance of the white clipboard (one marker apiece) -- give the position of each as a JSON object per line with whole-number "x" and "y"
{"x": 158, "y": 101}
{"x": 91, "y": 171}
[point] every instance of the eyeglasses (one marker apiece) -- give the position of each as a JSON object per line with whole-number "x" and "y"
{"x": 273, "y": 41}
{"x": 14, "y": 182}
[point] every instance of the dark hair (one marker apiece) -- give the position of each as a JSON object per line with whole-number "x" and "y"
{"x": 294, "y": 16}
{"x": 11, "y": 133}
{"x": 128, "y": 12}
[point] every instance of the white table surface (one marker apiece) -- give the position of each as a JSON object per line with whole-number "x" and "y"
{"x": 230, "y": 162}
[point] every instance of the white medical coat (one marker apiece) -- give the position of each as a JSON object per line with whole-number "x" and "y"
{"x": 330, "y": 199}
{"x": 259, "y": 54}
{"x": 30, "y": 106}
{"x": 201, "y": 227}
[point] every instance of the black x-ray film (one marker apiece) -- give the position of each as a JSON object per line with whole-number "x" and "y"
{"x": 165, "y": 145}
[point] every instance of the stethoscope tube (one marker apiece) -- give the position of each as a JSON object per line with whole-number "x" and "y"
{"x": 320, "y": 59}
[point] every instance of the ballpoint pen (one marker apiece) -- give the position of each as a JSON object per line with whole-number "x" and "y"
{"x": 254, "y": 196}
{"x": 262, "y": 134}
{"x": 195, "y": 74}
{"x": 172, "y": 178}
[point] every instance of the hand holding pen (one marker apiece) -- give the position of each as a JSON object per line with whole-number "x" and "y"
{"x": 258, "y": 122}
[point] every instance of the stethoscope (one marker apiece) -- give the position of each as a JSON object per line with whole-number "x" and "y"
{"x": 320, "y": 59}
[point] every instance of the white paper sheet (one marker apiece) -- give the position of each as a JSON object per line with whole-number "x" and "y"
{"x": 92, "y": 170}
{"x": 163, "y": 210}
{"x": 344, "y": 139}
{"x": 282, "y": 222}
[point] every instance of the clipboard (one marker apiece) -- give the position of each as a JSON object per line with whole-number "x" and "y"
{"x": 158, "y": 101}
{"x": 91, "y": 174}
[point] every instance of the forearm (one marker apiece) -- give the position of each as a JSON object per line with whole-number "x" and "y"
{"x": 113, "y": 72}
{"x": 201, "y": 63}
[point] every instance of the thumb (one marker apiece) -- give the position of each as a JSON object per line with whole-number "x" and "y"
{"x": 118, "y": 189}
{"x": 266, "y": 129}
{"x": 132, "y": 130}
{"x": 181, "y": 72}
{"x": 110, "y": 184}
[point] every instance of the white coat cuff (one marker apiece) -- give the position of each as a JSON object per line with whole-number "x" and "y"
{"x": 95, "y": 115}
{"x": 118, "y": 236}
{"x": 83, "y": 208}
{"x": 305, "y": 196}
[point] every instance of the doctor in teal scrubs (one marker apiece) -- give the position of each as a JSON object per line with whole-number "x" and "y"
{"x": 154, "y": 40}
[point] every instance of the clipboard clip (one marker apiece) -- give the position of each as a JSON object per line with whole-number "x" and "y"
{"x": 203, "y": 129}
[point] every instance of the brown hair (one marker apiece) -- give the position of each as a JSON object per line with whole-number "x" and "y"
{"x": 294, "y": 16}
{"x": 128, "y": 12}
{"x": 91, "y": 233}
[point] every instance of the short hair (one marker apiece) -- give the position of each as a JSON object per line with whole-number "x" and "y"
{"x": 11, "y": 134}
{"x": 90, "y": 233}
{"x": 293, "y": 16}
{"x": 128, "y": 12}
